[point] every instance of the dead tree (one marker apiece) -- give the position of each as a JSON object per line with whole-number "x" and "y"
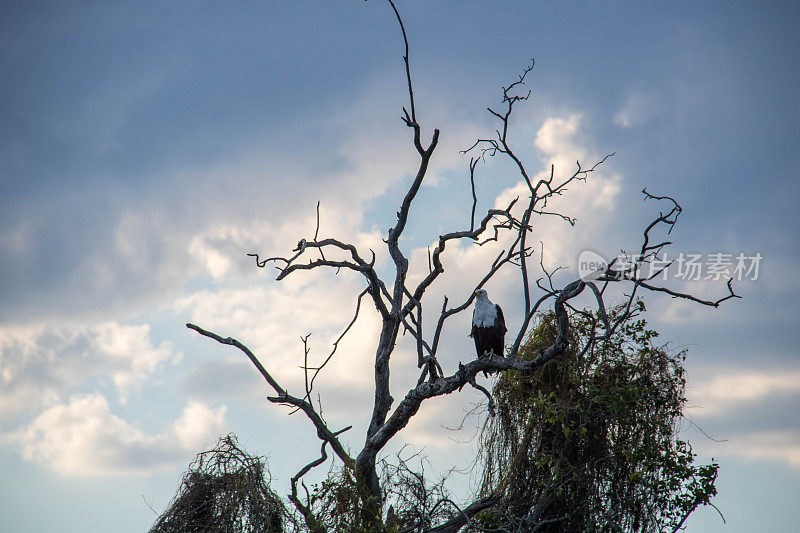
{"x": 401, "y": 306}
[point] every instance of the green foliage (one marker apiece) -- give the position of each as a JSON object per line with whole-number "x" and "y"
{"x": 588, "y": 442}
{"x": 410, "y": 499}
{"x": 338, "y": 503}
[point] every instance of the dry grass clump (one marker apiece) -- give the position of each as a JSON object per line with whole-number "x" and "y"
{"x": 225, "y": 490}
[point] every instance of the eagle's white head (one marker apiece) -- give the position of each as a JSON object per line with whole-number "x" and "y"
{"x": 485, "y": 311}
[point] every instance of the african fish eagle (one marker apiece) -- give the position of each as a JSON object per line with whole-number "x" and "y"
{"x": 488, "y": 326}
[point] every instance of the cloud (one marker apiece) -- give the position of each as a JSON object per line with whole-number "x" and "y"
{"x": 120, "y": 253}
{"x": 40, "y": 363}
{"x": 271, "y": 321}
{"x": 728, "y": 392}
{"x": 123, "y": 252}
{"x": 89, "y": 261}
{"x": 131, "y": 356}
{"x": 558, "y": 138}
{"x": 224, "y": 378}
{"x": 783, "y": 446}
{"x": 754, "y": 413}
{"x": 561, "y": 142}
{"x": 637, "y": 109}
{"x": 166, "y": 242}
{"x": 83, "y": 438}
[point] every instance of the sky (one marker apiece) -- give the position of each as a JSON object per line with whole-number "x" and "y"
{"x": 146, "y": 148}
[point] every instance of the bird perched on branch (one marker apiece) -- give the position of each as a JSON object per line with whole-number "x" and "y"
{"x": 488, "y": 326}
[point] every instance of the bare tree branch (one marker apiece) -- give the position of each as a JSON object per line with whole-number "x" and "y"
{"x": 283, "y": 397}
{"x": 317, "y": 370}
{"x": 305, "y": 509}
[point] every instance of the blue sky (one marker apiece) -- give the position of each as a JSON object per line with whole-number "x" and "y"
{"x": 146, "y": 147}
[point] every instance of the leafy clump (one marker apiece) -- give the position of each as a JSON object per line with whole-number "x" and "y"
{"x": 338, "y": 505}
{"x": 411, "y": 501}
{"x": 588, "y": 442}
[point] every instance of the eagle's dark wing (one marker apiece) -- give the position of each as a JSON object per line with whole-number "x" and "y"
{"x": 498, "y": 333}
{"x": 481, "y": 338}
{"x": 500, "y": 322}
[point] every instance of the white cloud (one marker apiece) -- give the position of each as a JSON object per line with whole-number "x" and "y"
{"x": 271, "y": 321}
{"x": 728, "y": 392}
{"x": 217, "y": 263}
{"x": 128, "y": 353}
{"x": 637, "y": 109}
{"x": 560, "y": 142}
{"x": 144, "y": 250}
{"x": 129, "y": 252}
{"x": 557, "y": 138}
{"x": 83, "y": 438}
{"x": 783, "y": 446}
{"x": 779, "y": 446}
{"x": 752, "y": 413}
{"x": 156, "y": 244}
{"x": 40, "y": 363}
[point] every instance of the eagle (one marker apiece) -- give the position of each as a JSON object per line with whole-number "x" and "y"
{"x": 488, "y": 326}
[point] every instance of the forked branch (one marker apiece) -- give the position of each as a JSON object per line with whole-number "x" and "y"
{"x": 323, "y": 432}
